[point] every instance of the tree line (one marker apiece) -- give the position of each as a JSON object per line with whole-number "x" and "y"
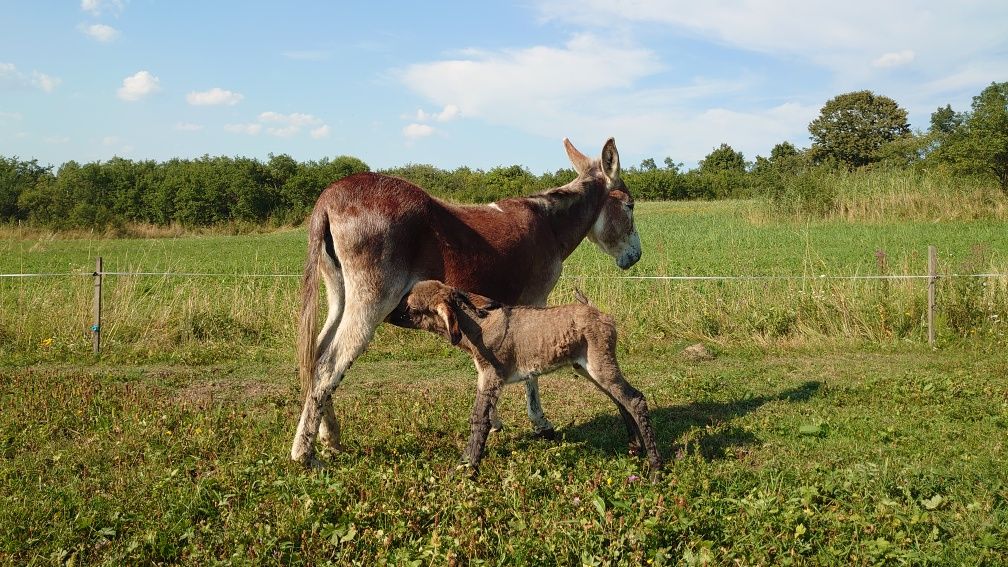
{"x": 854, "y": 131}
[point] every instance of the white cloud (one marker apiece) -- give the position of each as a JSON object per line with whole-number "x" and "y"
{"x": 45, "y": 82}
{"x": 483, "y": 83}
{"x": 214, "y": 97}
{"x": 138, "y": 85}
{"x": 96, "y": 7}
{"x": 188, "y": 127}
{"x": 322, "y": 131}
{"x": 12, "y": 78}
{"x": 283, "y": 131}
{"x": 288, "y": 125}
{"x": 10, "y": 116}
{"x": 250, "y": 129}
{"x": 894, "y": 59}
{"x": 100, "y": 32}
{"x": 945, "y": 34}
{"x": 590, "y": 89}
{"x": 283, "y": 125}
{"x": 416, "y": 131}
{"x": 294, "y": 119}
{"x": 450, "y": 112}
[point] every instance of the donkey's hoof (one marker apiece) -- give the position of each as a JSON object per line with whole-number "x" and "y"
{"x": 314, "y": 464}
{"x": 310, "y": 462}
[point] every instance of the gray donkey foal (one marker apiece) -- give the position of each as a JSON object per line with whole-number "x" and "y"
{"x": 512, "y": 344}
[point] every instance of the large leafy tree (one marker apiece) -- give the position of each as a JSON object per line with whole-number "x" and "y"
{"x": 986, "y": 133}
{"x": 723, "y": 158}
{"x": 854, "y": 129}
{"x": 784, "y": 158}
{"x": 16, "y": 177}
{"x": 974, "y": 142}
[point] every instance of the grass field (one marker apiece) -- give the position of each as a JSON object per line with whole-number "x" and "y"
{"x": 825, "y": 431}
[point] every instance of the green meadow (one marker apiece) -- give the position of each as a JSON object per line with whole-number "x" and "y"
{"x": 824, "y": 431}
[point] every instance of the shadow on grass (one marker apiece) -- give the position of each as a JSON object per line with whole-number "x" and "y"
{"x": 717, "y": 438}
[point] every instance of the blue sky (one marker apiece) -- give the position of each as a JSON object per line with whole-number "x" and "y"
{"x": 470, "y": 83}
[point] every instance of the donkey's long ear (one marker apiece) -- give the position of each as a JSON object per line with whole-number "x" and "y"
{"x": 580, "y": 161}
{"x": 447, "y": 314}
{"x": 610, "y": 159}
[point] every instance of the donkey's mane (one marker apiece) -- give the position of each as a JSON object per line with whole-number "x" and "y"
{"x": 560, "y": 198}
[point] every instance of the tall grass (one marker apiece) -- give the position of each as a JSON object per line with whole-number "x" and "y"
{"x": 883, "y": 195}
{"x": 204, "y": 319}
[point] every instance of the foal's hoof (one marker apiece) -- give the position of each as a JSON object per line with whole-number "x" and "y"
{"x": 547, "y": 434}
{"x": 466, "y": 470}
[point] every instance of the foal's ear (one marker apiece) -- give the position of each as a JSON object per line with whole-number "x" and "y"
{"x": 447, "y": 314}
{"x": 580, "y": 161}
{"x": 610, "y": 159}
{"x": 482, "y": 305}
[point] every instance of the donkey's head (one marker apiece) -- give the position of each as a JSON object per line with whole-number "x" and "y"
{"x": 436, "y": 307}
{"x": 614, "y": 230}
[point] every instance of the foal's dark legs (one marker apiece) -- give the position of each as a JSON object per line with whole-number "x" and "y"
{"x": 634, "y": 439}
{"x": 633, "y": 407}
{"x": 487, "y": 395}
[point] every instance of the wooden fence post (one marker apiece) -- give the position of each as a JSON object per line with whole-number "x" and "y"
{"x": 932, "y": 279}
{"x": 97, "y": 307}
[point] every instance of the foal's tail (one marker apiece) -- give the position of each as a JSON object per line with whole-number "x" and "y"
{"x": 580, "y": 296}
{"x": 318, "y": 231}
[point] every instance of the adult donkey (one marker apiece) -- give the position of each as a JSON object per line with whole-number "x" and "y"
{"x": 371, "y": 237}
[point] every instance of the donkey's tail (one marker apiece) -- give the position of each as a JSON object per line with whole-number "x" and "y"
{"x": 318, "y": 232}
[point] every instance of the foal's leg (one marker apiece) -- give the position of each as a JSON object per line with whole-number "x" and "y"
{"x": 633, "y": 432}
{"x": 488, "y": 390}
{"x": 541, "y": 427}
{"x": 496, "y": 424}
{"x": 605, "y": 372}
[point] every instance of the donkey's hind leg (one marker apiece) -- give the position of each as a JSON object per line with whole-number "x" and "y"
{"x": 329, "y": 429}
{"x": 350, "y": 339}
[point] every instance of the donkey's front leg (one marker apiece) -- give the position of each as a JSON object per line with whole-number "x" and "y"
{"x": 487, "y": 393}
{"x": 541, "y": 427}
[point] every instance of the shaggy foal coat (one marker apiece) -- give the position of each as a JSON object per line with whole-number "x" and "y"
{"x": 513, "y": 344}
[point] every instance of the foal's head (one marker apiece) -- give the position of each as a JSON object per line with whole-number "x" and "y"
{"x": 614, "y": 230}
{"x": 436, "y": 307}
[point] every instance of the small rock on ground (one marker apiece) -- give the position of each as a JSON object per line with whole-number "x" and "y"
{"x": 697, "y": 353}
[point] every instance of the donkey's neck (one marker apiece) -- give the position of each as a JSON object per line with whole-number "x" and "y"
{"x": 571, "y": 210}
